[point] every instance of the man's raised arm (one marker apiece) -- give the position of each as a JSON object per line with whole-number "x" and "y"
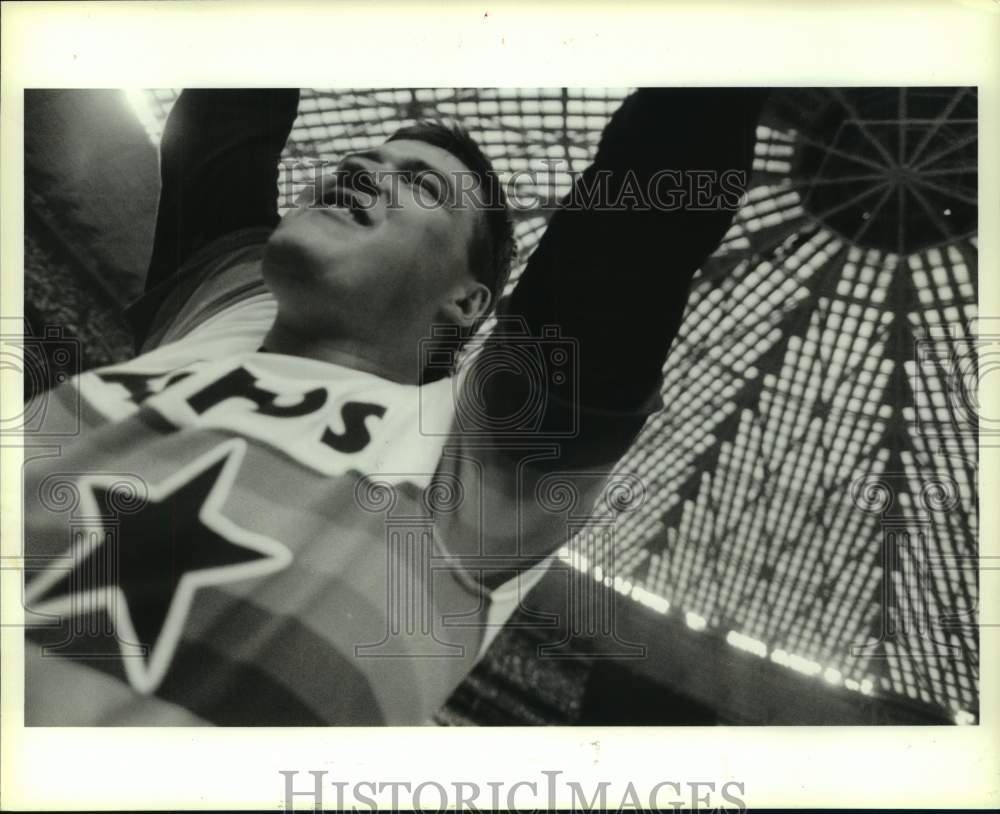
{"x": 218, "y": 167}
{"x": 614, "y": 267}
{"x": 612, "y": 274}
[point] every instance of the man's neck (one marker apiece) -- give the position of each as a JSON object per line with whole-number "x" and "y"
{"x": 343, "y": 351}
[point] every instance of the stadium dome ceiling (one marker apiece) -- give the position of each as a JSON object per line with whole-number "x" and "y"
{"x": 888, "y": 169}
{"x": 798, "y": 394}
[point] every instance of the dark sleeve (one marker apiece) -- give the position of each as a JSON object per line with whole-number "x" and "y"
{"x": 218, "y": 169}
{"x": 219, "y": 158}
{"x": 613, "y": 269}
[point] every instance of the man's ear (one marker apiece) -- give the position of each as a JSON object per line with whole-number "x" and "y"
{"x": 467, "y": 303}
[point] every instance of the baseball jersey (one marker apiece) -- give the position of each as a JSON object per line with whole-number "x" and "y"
{"x": 228, "y": 536}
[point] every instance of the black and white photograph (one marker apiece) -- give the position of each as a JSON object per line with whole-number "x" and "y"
{"x": 636, "y": 407}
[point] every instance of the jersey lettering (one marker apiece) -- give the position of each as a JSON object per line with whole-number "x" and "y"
{"x": 328, "y": 418}
{"x": 355, "y": 436}
{"x": 241, "y": 383}
{"x": 139, "y": 385}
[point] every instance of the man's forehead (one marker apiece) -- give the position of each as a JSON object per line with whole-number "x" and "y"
{"x": 437, "y": 157}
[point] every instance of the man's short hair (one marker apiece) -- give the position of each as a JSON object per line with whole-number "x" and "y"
{"x": 493, "y": 247}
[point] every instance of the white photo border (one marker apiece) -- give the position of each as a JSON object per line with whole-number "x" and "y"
{"x": 148, "y": 45}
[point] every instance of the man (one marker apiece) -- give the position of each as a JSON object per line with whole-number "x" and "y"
{"x": 286, "y": 510}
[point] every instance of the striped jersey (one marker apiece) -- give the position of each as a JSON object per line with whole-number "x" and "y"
{"x": 226, "y": 536}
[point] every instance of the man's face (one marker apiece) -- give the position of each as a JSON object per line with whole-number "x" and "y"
{"x": 374, "y": 259}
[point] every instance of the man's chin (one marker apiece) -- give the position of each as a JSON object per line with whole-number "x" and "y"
{"x": 292, "y": 252}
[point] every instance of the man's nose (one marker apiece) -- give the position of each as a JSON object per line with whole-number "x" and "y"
{"x": 369, "y": 176}
{"x": 358, "y": 173}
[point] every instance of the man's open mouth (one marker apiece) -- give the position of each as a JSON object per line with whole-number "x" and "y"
{"x": 338, "y": 196}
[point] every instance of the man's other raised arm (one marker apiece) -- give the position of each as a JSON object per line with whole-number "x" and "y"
{"x": 219, "y": 158}
{"x": 614, "y": 267}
